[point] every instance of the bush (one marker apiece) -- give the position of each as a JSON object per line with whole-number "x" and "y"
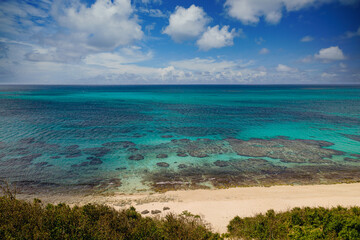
{"x": 299, "y": 223}
{"x": 24, "y": 220}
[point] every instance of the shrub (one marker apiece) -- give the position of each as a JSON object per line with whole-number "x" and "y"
{"x": 25, "y": 220}
{"x": 299, "y": 223}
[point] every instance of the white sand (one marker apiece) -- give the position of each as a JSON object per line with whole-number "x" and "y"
{"x": 218, "y": 207}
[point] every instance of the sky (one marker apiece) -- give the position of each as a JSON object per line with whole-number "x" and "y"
{"x": 180, "y": 42}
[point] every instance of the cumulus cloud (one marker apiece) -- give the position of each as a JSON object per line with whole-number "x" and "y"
{"x": 216, "y": 38}
{"x": 264, "y": 51}
{"x": 250, "y": 11}
{"x": 105, "y": 24}
{"x": 307, "y": 39}
{"x": 284, "y": 68}
{"x": 187, "y": 23}
{"x": 330, "y": 54}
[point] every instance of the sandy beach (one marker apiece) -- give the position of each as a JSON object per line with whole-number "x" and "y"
{"x": 219, "y": 206}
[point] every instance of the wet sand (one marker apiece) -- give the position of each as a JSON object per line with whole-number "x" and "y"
{"x": 219, "y": 206}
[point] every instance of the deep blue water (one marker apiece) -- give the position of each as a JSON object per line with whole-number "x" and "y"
{"x": 96, "y": 138}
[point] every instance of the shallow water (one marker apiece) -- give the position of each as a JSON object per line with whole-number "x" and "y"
{"x": 81, "y": 139}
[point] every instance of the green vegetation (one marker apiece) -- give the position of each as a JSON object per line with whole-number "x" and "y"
{"x": 25, "y": 220}
{"x": 299, "y": 223}
{"x": 34, "y": 220}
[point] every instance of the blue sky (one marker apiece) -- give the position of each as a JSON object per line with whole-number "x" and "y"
{"x": 180, "y": 42}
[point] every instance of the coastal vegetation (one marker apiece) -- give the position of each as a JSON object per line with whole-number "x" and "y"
{"x": 21, "y": 219}
{"x": 33, "y": 220}
{"x": 299, "y": 223}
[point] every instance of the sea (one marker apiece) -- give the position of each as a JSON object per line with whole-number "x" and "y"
{"x": 155, "y": 138}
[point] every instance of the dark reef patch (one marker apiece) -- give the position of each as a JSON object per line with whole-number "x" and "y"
{"x": 41, "y": 164}
{"x": 249, "y": 172}
{"x": 181, "y": 155}
{"x": 288, "y": 151}
{"x": 136, "y": 157}
{"x": 120, "y": 144}
{"x": 167, "y": 136}
{"x": 182, "y": 166}
{"x": 162, "y": 164}
{"x": 354, "y": 160}
{"x": 95, "y": 161}
{"x": 21, "y": 161}
{"x": 352, "y": 137}
{"x": 97, "y": 151}
{"x": 132, "y": 149}
{"x": 221, "y": 163}
{"x": 162, "y": 155}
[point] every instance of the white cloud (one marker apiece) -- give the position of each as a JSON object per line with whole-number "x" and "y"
{"x": 105, "y": 24}
{"x": 307, "y": 59}
{"x": 342, "y": 65}
{"x": 328, "y": 75}
{"x": 284, "y": 68}
{"x": 307, "y": 39}
{"x": 153, "y": 12}
{"x": 203, "y": 65}
{"x": 259, "y": 40}
{"x": 216, "y": 38}
{"x": 350, "y": 34}
{"x": 117, "y": 59}
{"x": 330, "y": 54}
{"x": 264, "y": 51}
{"x": 186, "y": 24}
{"x": 250, "y": 11}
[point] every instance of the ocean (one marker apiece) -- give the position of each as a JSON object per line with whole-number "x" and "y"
{"x": 96, "y": 139}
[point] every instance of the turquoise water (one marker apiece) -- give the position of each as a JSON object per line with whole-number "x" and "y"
{"x": 80, "y": 139}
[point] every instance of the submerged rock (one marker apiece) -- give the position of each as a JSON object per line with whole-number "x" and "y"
{"x": 162, "y": 155}
{"x": 83, "y": 164}
{"x": 166, "y": 208}
{"x": 25, "y": 160}
{"x": 120, "y": 144}
{"x": 162, "y": 164}
{"x": 97, "y": 151}
{"x": 182, "y": 155}
{"x": 41, "y": 164}
{"x": 136, "y": 157}
{"x": 95, "y": 161}
{"x": 28, "y": 140}
{"x": 167, "y": 136}
{"x": 221, "y": 163}
{"x": 198, "y": 154}
{"x": 182, "y": 166}
{"x": 120, "y": 168}
{"x": 72, "y": 151}
{"x": 132, "y": 149}
{"x": 347, "y": 159}
{"x": 289, "y": 151}
{"x": 352, "y": 137}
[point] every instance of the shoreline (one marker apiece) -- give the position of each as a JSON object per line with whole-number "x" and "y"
{"x": 218, "y": 206}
